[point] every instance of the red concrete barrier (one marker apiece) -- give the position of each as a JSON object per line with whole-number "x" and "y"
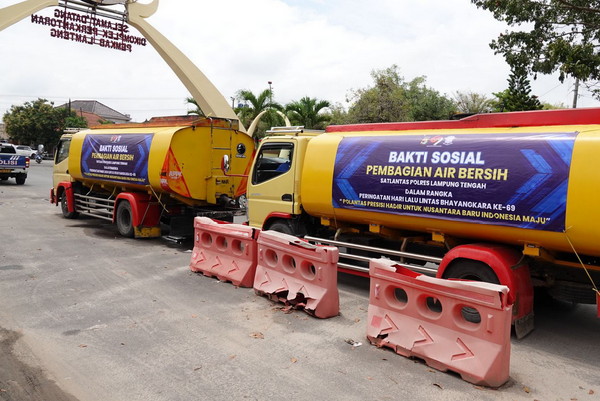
{"x": 300, "y": 274}
{"x": 225, "y": 251}
{"x": 462, "y": 326}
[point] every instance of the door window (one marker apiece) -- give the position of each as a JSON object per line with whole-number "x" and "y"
{"x": 273, "y": 160}
{"x": 63, "y": 150}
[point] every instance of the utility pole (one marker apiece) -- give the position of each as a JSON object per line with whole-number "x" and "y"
{"x": 270, "y": 103}
{"x": 575, "y": 93}
{"x": 270, "y": 94}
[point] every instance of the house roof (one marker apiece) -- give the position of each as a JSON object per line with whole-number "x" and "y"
{"x": 95, "y": 107}
{"x": 91, "y": 118}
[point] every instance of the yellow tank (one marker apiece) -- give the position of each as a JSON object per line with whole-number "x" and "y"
{"x": 531, "y": 186}
{"x": 176, "y": 157}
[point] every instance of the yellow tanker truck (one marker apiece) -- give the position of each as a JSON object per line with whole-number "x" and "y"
{"x": 147, "y": 175}
{"x": 508, "y": 198}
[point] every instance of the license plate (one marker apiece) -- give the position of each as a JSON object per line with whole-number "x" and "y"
{"x": 5, "y": 171}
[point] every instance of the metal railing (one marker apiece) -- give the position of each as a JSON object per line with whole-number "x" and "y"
{"x": 93, "y": 206}
{"x": 96, "y": 9}
{"x": 430, "y": 266}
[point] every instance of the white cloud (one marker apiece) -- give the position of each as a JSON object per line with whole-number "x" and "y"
{"x": 311, "y": 48}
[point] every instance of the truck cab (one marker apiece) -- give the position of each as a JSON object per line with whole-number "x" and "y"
{"x": 60, "y": 171}
{"x": 274, "y": 182}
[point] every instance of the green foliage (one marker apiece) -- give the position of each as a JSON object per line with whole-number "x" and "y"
{"x": 38, "y": 122}
{"x": 254, "y": 105}
{"x": 558, "y": 36}
{"x": 472, "y": 103}
{"x": 338, "y": 115}
{"x": 196, "y": 108}
{"x": 555, "y": 106}
{"x": 306, "y": 112}
{"x": 518, "y": 95}
{"x": 75, "y": 121}
{"x": 394, "y": 99}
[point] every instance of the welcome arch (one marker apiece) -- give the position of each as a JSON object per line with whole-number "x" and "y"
{"x": 208, "y": 97}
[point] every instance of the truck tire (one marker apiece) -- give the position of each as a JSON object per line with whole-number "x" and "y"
{"x": 281, "y": 226}
{"x": 471, "y": 270}
{"x": 64, "y": 208}
{"x": 124, "y": 219}
{"x": 20, "y": 178}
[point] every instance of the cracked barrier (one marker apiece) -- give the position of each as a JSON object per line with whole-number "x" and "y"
{"x": 225, "y": 251}
{"x": 452, "y": 325}
{"x": 297, "y": 273}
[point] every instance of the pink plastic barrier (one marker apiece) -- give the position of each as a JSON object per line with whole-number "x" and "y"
{"x": 225, "y": 251}
{"x": 462, "y": 326}
{"x": 300, "y": 274}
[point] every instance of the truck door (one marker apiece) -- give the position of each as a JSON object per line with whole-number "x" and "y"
{"x": 273, "y": 182}
{"x": 60, "y": 171}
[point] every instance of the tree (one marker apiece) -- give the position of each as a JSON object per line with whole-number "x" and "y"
{"x": 306, "y": 112}
{"x": 38, "y": 122}
{"x": 196, "y": 110}
{"x": 517, "y": 97}
{"x": 472, "y": 103}
{"x": 337, "y": 115}
{"x": 254, "y": 105}
{"x": 393, "y": 99}
{"x": 427, "y": 103}
{"x": 563, "y": 36}
{"x": 75, "y": 121}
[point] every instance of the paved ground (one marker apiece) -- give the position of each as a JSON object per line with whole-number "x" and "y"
{"x": 86, "y": 315}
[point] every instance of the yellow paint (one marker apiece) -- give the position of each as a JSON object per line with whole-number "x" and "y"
{"x": 183, "y": 161}
{"x": 266, "y": 198}
{"x": 582, "y": 213}
{"x": 146, "y": 232}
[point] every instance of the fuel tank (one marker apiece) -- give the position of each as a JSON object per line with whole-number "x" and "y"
{"x": 176, "y": 157}
{"x": 532, "y": 186}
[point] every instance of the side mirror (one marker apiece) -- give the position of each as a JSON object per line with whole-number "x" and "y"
{"x": 225, "y": 164}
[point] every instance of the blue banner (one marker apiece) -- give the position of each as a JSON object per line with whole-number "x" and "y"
{"x": 122, "y": 158}
{"x": 517, "y": 180}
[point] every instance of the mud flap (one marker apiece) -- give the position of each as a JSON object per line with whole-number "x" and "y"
{"x": 524, "y": 326}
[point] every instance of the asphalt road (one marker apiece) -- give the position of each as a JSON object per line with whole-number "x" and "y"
{"x": 86, "y": 315}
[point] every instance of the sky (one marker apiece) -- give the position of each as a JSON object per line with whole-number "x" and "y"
{"x": 316, "y": 48}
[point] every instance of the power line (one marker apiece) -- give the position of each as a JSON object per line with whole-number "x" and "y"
{"x": 94, "y": 97}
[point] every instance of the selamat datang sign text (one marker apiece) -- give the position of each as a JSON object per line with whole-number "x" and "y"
{"x": 89, "y": 29}
{"x": 517, "y": 180}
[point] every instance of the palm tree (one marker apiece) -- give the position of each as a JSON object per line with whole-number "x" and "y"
{"x": 306, "y": 112}
{"x": 197, "y": 110}
{"x": 255, "y": 105}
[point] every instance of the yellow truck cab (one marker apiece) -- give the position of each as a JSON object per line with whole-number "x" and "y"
{"x": 274, "y": 182}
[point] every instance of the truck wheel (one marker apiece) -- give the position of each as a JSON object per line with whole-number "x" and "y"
{"x": 282, "y": 226}
{"x": 471, "y": 270}
{"x": 124, "y": 219}
{"x": 475, "y": 271}
{"x": 64, "y": 208}
{"x": 21, "y": 179}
